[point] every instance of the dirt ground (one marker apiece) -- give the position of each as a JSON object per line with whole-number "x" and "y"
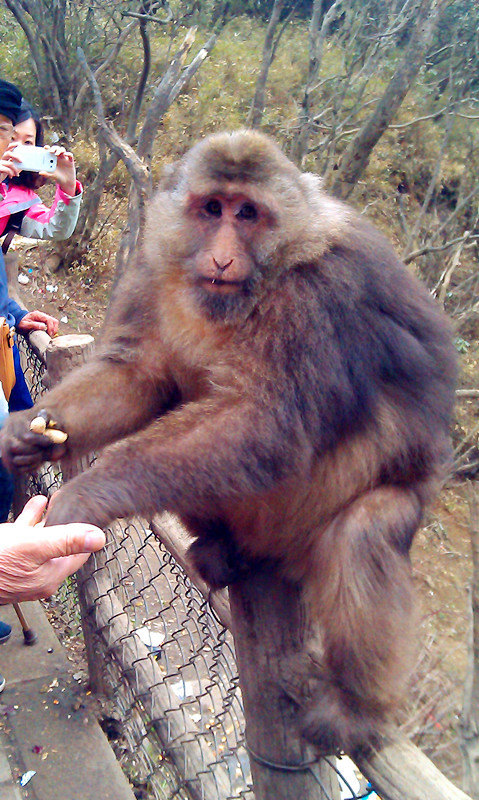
{"x": 77, "y": 299}
{"x": 441, "y": 553}
{"x": 442, "y": 567}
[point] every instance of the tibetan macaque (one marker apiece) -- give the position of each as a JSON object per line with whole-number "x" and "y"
{"x": 271, "y": 373}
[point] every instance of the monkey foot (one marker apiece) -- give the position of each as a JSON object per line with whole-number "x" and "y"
{"x": 217, "y": 561}
{"x": 336, "y": 721}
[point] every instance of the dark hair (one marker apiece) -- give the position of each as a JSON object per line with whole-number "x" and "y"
{"x": 30, "y": 180}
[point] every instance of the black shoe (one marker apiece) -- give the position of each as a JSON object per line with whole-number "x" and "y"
{"x": 2, "y": 683}
{"x": 5, "y": 631}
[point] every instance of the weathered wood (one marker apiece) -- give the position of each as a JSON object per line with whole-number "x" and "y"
{"x": 63, "y": 354}
{"x": 181, "y": 739}
{"x": 401, "y": 772}
{"x": 469, "y": 725}
{"x": 38, "y": 341}
{"x": 270, "y": 625}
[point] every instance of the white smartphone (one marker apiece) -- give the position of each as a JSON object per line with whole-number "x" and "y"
{"x": 35, "y": 159}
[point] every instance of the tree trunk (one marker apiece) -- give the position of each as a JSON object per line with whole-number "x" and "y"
{"x": 270, "y": 624}
{"x": 74, "y": 249}
{"x": 356, "y": 157}
{"x": 256, "y": 112}
{"x": 174, "y": 80}
{"x": 318, "y": 31}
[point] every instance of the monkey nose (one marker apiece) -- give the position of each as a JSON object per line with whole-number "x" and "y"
{"x": 222, "y": 266}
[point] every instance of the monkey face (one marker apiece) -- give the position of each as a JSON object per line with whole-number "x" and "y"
{"x": 230, "y": 218}
{"x": 224, "y": 271}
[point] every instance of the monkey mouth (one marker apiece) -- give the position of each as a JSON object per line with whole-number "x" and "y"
{"x": 220, "y": 286}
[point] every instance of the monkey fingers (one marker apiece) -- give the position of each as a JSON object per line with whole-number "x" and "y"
{"x": 26, "y": 452}
{"x": 77, "y": 502}
{"x": 23, "y": 449}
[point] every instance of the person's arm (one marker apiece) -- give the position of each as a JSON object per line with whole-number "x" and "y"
{"x": 34, "y": 560}
{"x": 17, "y": 312}
{"x": 58, "y": 222}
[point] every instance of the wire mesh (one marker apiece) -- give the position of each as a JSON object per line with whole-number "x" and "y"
{"x": 167, "y": 661}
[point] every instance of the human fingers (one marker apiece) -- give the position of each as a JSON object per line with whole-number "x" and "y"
{"x": 52, "y": 325}
{"x": 33, "y": 511}
{"x": 8, "y": 169}
{"x": 38, "y": 315}
{"x": 10, "y": 154}
{"x": 63, "y": 567}
{"x": 32, "y": 325}
{"x": 66, "y": 540}
{"x": 61, "y": 152}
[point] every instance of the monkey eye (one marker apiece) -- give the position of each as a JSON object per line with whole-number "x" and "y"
{"x": 248, "y": 211}
{"x": 213, "y": 207}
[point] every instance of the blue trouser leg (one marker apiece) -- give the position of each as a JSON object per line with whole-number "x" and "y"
{"x": 19, "y": 400}
{"x": 20, "y": 396}
{"x": 6, "y": 493}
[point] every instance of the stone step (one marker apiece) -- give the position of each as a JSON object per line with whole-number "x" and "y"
{"x": 45, "y": 725}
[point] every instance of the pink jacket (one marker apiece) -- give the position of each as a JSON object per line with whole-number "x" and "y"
{"x": 40, "y": 222}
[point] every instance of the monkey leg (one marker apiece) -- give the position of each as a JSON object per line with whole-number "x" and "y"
{"x": 214, "y": 553}
{"x": 361, "y": 591}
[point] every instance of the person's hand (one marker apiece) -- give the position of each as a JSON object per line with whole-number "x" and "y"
{"x": 65, "y": 173}
{"x": 38, "y": 321}
{"x": 35, "y": 560}
{"x": 9, "y": 163}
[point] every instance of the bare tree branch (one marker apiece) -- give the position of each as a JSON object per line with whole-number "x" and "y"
{"x": 269, "y": 46}
{"x": 103, "y": 67}
{"x": 356, "y": 157}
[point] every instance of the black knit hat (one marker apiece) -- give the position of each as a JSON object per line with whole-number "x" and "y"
{"x": 10, "y": 100}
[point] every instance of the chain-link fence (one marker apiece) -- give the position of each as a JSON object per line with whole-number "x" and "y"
{"x": 165, "y": 660}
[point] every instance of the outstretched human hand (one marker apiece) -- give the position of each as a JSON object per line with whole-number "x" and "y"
{"x": 39, "y": 321}
{"x": 35, "y": 560}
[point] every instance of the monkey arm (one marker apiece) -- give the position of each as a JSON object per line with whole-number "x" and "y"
{"x": 193, "y": 461}
{"x": 97, "y": 404}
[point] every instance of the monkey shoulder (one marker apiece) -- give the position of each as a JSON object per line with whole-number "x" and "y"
{"x": 355, "y": 330}
{"x": 365, "y": 278}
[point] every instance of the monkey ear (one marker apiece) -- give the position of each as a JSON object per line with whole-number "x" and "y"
{"x": 170, "y": 177}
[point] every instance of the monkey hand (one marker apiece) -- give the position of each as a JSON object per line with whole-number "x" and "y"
{"x": 218, "y": 561}
{"x": 23, "y": 449}
{"x": 76, "y": 501}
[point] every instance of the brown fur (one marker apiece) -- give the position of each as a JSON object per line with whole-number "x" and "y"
{"x": 278, "y": 379}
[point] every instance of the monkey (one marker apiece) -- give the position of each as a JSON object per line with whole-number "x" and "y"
{"x": 270, "y": 372}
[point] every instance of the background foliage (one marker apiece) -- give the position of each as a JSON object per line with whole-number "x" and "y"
{"x": 381, "y": 99}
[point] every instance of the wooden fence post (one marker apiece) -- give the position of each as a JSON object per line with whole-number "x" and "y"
{"x": 61, "y": 356}
{"x": 269, "y": 624}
